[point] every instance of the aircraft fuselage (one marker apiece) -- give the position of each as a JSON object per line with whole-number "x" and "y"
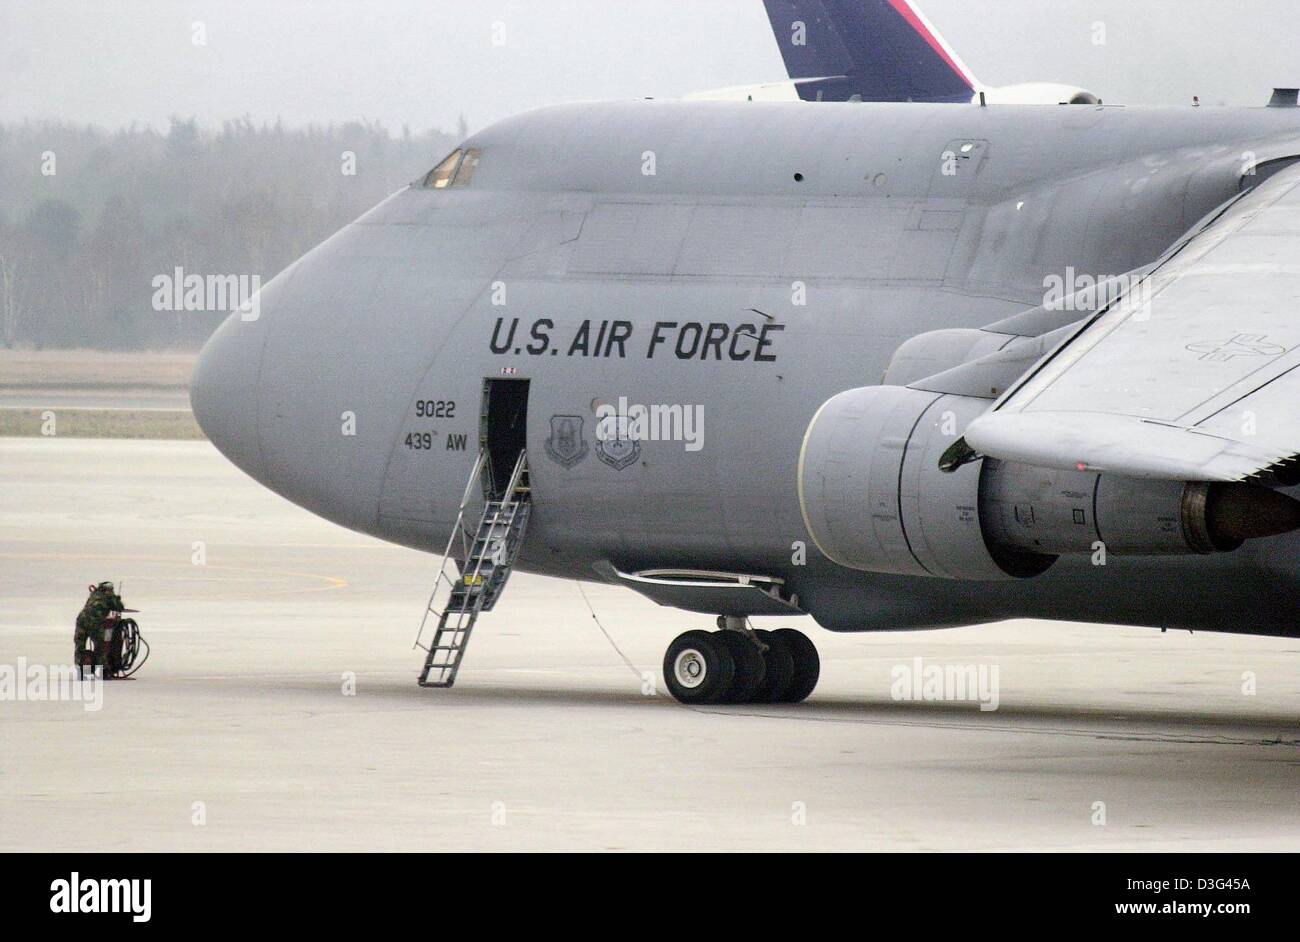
{"x": 744, "y": 262}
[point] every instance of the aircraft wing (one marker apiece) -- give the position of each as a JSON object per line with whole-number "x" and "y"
{"x": 1193, "y": 375}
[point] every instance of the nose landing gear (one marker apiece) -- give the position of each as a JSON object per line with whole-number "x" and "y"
{"x": 738, "y": 665}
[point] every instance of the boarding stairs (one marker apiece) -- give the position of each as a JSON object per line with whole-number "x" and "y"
{"x": 483, "y": 559}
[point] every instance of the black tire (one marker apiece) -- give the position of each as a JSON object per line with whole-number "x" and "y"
{"x": 779, "y": 673}
{"x": 750, "y": 667}
{"x": 113, "y": 665}
{"x": 699, "y": 668}
{"x": 807, "y": 665}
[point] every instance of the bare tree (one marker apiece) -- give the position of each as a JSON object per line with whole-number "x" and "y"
{"x": 79, "y": 253}
{"x": 13, "y": 289}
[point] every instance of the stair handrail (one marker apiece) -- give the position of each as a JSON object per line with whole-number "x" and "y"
{"x": 459, "y": 528}
{"x": 521, "y": 466}
{"x": 507, "y": 515}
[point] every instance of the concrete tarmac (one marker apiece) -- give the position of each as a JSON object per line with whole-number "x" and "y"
{"x": 279, "y": 710}
{"x": 17, "y": 397}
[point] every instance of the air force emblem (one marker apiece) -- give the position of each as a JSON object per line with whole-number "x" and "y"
{"x": 566, "y": 446}
{"x": 1242, "y": 345}
{"x": 619, "y": 452}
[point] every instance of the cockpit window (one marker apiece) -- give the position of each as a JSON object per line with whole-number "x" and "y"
{"x": 440, "y": 177}
{"x": 467, "y": 167}
{"x": 457, "y": 170}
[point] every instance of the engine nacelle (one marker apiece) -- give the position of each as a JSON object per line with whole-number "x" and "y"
{"x": 1059, "y": 513}
{"x": 938, "y": 351}
{"x": 874, "y": 497}
{"x": 1039, "y": 93}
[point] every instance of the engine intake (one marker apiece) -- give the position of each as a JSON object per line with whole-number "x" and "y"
{"x": 873, "y": 497}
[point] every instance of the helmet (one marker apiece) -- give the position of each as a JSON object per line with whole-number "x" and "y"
{"x": 106, "y": 587}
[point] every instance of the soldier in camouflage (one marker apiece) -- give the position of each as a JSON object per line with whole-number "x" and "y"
{"x": 95, "y": 622}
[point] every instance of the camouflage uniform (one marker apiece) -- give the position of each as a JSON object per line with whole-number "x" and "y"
{"x": 93, "y": 623}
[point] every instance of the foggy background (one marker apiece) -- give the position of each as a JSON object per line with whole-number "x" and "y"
{"x": 223, "y": 155}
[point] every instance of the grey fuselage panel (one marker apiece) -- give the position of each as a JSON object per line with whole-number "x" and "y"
{"x": 750, "y": 259}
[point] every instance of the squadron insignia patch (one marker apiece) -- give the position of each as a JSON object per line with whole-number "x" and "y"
{"x": 619, "y": 453}
{"x": 566, "y": 446}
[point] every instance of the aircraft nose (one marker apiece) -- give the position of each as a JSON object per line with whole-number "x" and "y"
{"x": 225, "y": 388}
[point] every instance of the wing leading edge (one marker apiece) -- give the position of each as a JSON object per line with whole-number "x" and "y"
{"x": 1193, "y": 375}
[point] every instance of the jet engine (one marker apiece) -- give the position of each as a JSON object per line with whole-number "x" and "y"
{"x": 1040, "y": 93}
{"x": 887, "y": 485}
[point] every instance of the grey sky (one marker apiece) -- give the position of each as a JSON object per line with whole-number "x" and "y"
{"x": 423, "y": 62}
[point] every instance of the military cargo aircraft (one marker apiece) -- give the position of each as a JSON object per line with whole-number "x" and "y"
{"x": 893, "y": 366}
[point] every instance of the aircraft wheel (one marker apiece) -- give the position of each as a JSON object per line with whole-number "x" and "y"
{"x": 779, "y": 673}
{"x": 750, "y": 667}
{"x": 699, "y": 667}
{"x": 807, "y": 665}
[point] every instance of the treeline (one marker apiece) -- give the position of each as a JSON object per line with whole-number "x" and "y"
{"x": 89, "y": 218}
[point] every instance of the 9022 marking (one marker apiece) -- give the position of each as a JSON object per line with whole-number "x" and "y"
{"x": 435, "y": 409}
